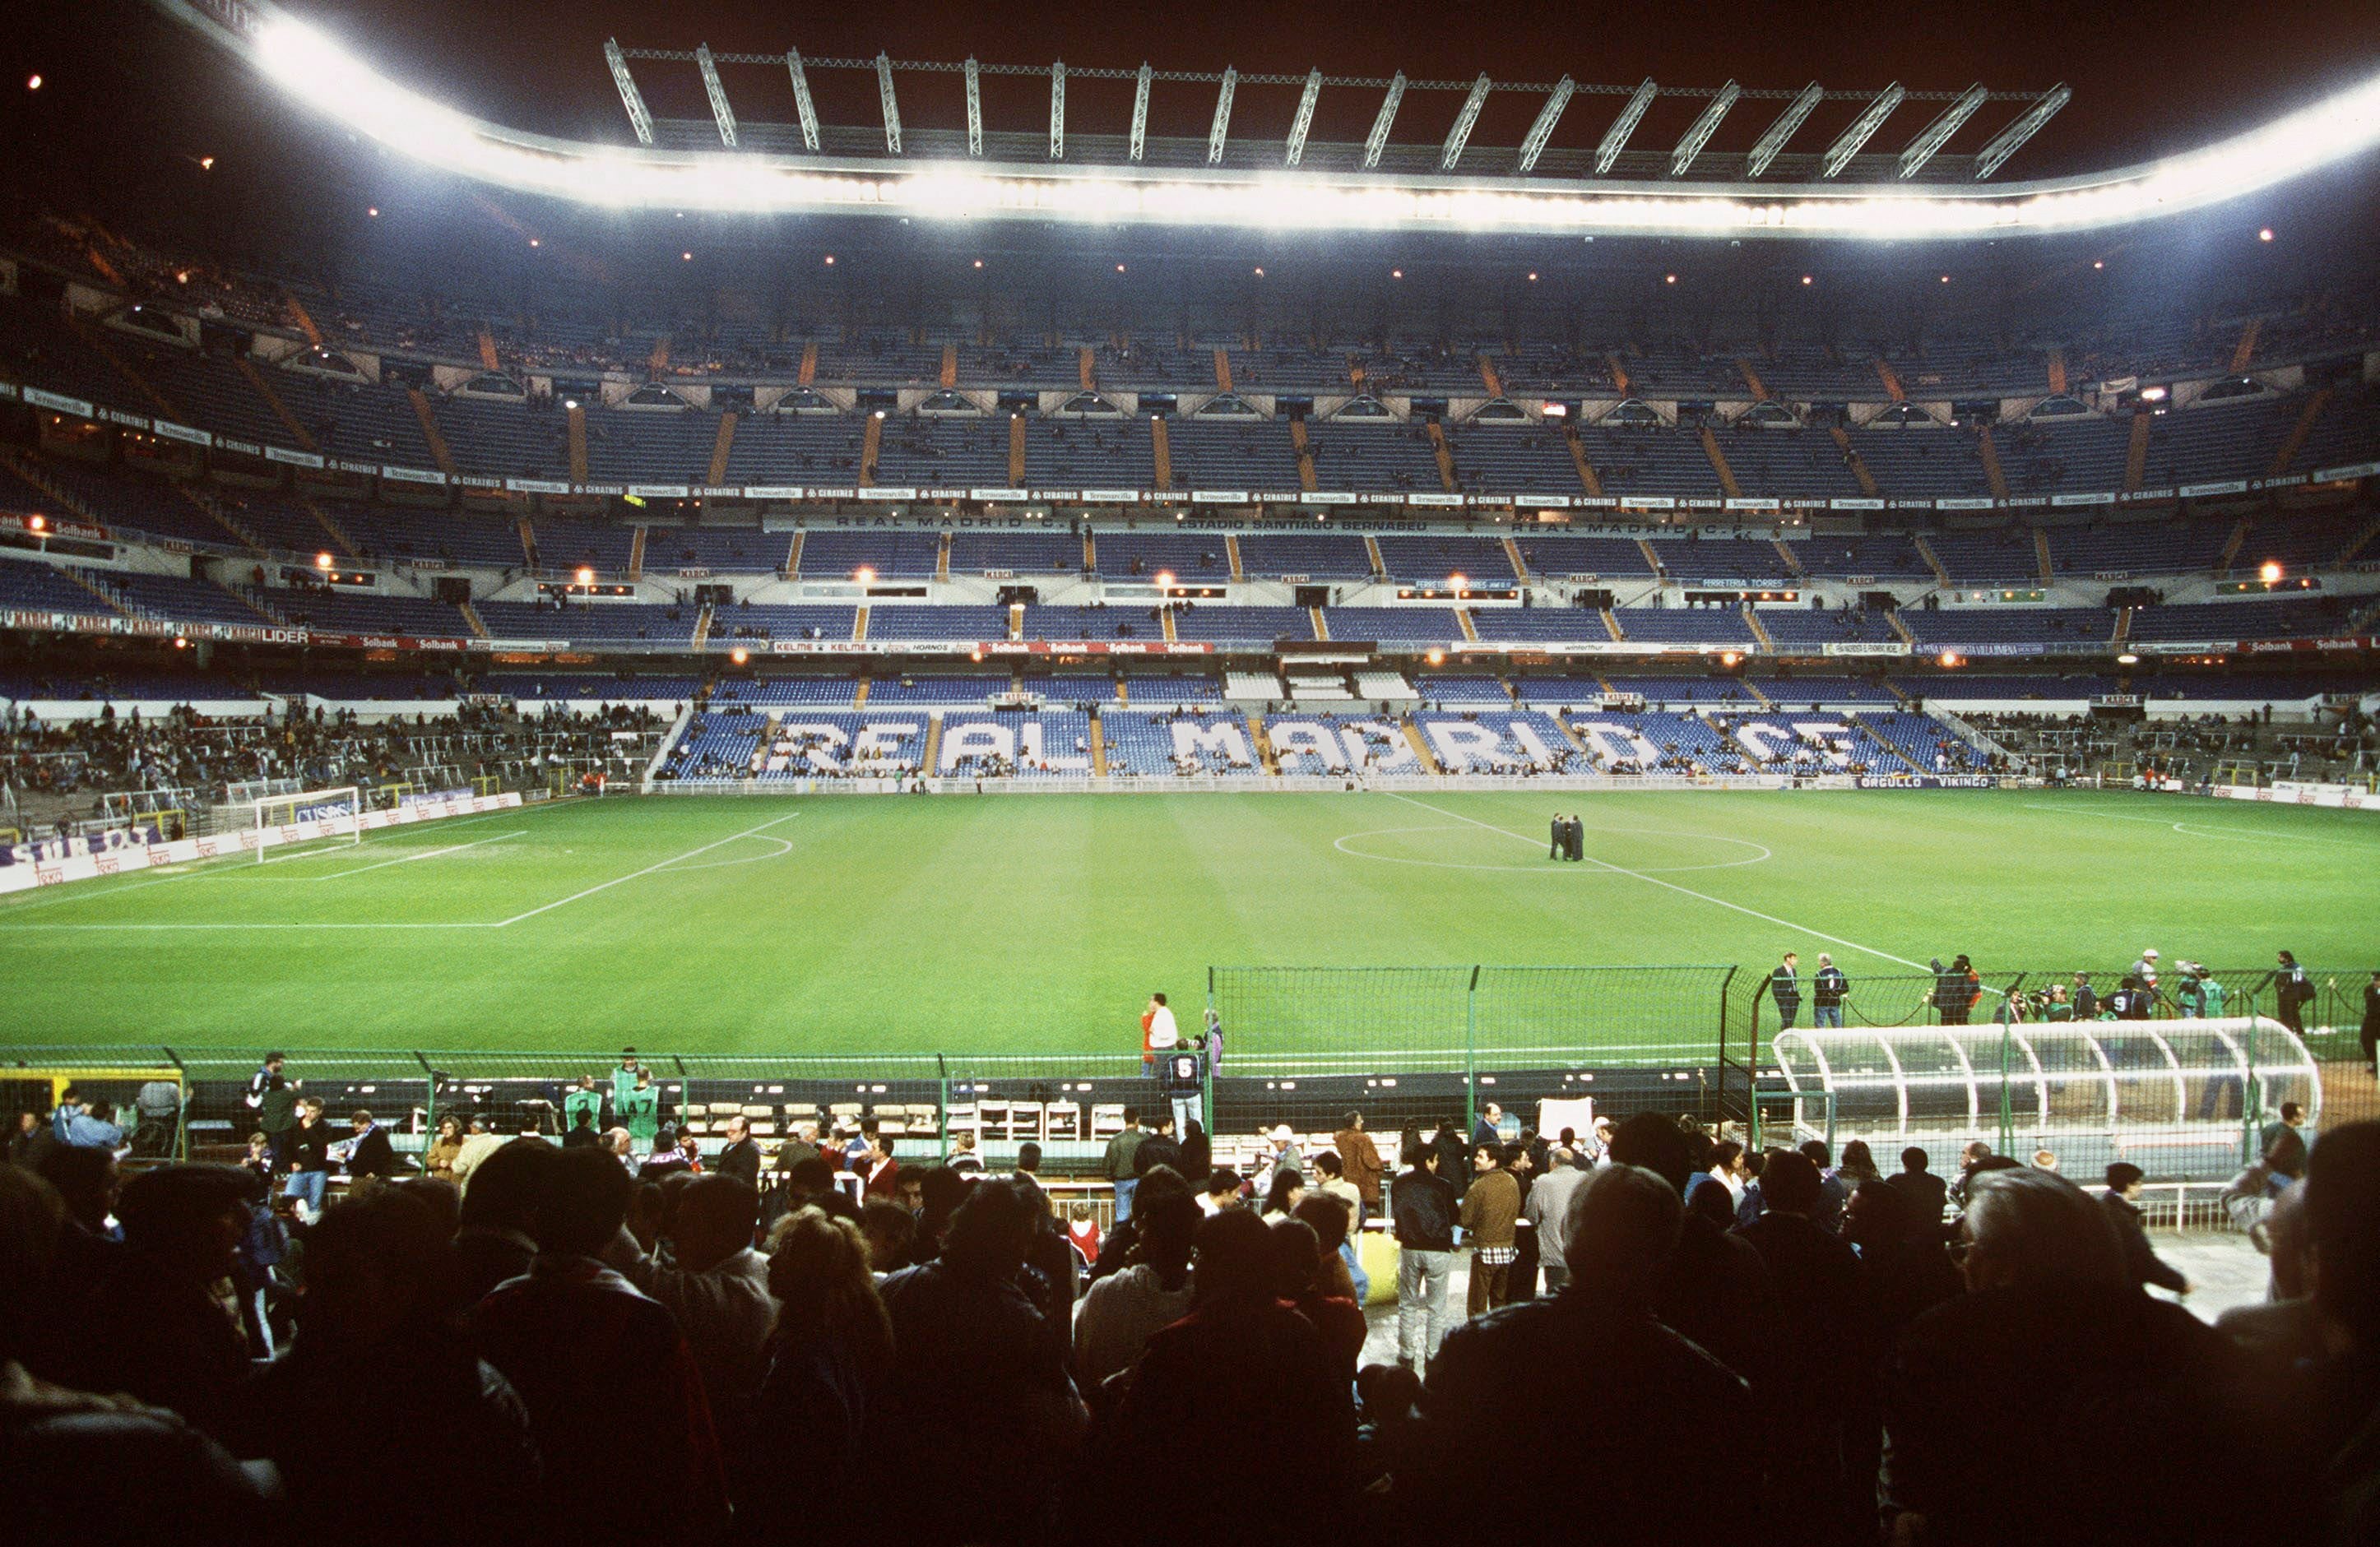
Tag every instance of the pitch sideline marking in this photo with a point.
(2196, 829)
(663, 865)
(1687, 891)
(408, 859)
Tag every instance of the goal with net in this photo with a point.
(307, 822)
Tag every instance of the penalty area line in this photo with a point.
(408, 859)
(621, 880)
(1682, 892)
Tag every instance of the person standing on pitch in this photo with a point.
(1577, 836)
(1827, 992)
(1785, 988)
(1559, 847)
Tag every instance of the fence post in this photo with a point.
(2007, 1039)
(942, 1104)
(1725, 984)
(429, 1100)
(181, 1108)
(1470, 1056)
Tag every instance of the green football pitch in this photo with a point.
(1040, 925)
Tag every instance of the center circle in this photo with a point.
(1383, 843)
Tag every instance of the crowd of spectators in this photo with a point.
(617, 1329)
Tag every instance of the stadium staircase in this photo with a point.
(931, 761)
(2231, 549)
(793, 558)
(1445, 455)
(1419, 743)
(213, 509)
(2362, 540)
(1993, 479)
(2136, 451)
(1512, 557)
(1619, 371)
(436, 438)
(702, 621)
(1470, 629)
(1015, 451)
(574, 420)
(1260, 744)
(2243, 354)
(1857, 463)
(471, 616)
(860, 693)
(1569, 735)
(859, 624)
(1372, 556)
(115, 608)
(806, 373)
(2123, 626)
(253, 600)
(1165, 620)
(1752, 379)
(1232, 551)
(1086, 371)
(1099, 747)
(1160, 449)
(721, 444)
(529, 543)
(871, 446)
(488, 359)
(1321, 625)
(2054, 369)
(637, 552)
(1487, 377)
(289, 421)
(32, 473)
(2041, 557)
(322, 518)
(1652, 559)
(1585, 469)
(950, 372)
(1304, 449)
(1891, 380)
(1893, 617)
(1759, 632)
(657, 361)
(942, 559)
(1611, 623)
(1727, 483)
(1090, 553)
(2299, 431)
(1016, 619)
(1222, 370)
(2364, 620)
(1933, 562)
(1793, 559)
(661, 752)
(1973, 737)
(124, 367)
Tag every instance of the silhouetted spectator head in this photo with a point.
(85, 1176)
(1815, 1151)
(1623, 1229)
(1223, 1187)
(1857, 1156)
(185, 1220)
(505, 1189)
(1914, 1159)
(1788, 1183)
(1329, 1217)
(890, 1232)
(1712, 1201)
(1296, 1258)
(2342, 1204)
(1326, 1165)
(441, 1197)
(2030, 1228)
(1167, 1230)
(818, 1275)
(993, 1232)
(581, 1204)
(712, 1220)
(366, 1268)
(2122, 1177)
(32, 1218)
(1876, 1216)
(810, 1179)
(1234, 1258)
(1657, 1144)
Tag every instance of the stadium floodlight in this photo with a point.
(1542, 132)
(975, 107)
(1705, 125)
(1377, 141)
(1464, 121)
(1304, 119)
(717, 93)
(802, 104)
(1058, 111)
(1140, 112)
(1615, 138)
(1938, 134)
(892, 107)
(1221, 127)
(311, 67)
(640, 118)
(2028, 124)
(1772, 139)
(1852, 139)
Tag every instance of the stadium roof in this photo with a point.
(1120, 175)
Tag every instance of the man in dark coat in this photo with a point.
(1926, 1193)
(2141, 1261)
(741, 1158)
(370, 1155)
(1557, 845)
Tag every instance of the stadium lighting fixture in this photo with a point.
(535, 242)
(2270, 572)
(2128, 658)
(1532, 276)
(1705, 125)
(1465, 122)
(312, 66)
(803, 106)
(1222, 128)
(978, 263)
(1669, 279)
(1808, 279)
(1165, 580)
(1862, 128)
(1773, 139)
(1141, 111)
(863, 574)
(1434, 656)
(1728, 658)
(640, 118)
(586, 575)
(739, 655)
(1951, 658)
(2028, 124)
(322, 560)
(1541, 133)
(38, 523)
(33, 83)
(975, 106)
(2265, 234)
(1933, 136)
(206, 164)
(2155, 394)
(686, 258)
(1057, 111)
(374, 211)
(891, 106)
(1455, 583)
(2098, 263)
(829, 262)
(569, 403)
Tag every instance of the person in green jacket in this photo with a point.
(584, 1101)
(623, 1079)
(640, 1111)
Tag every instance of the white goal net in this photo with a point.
(308, 821)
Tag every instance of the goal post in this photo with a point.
(290, 827)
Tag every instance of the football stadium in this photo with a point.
(999, 749)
